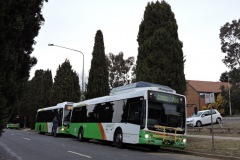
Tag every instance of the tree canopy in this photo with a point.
(230, 41)
(119, 69)
(35, 96)
(160, 56)
(98, 84)
(66, 85)
(230, 45)
(20, 22)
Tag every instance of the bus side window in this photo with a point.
(134, 107)
(133, 111)
(118, 111)
(90, 114)
(108, 112)
(79, 114)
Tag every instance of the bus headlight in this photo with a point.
(184, 140)
(62, 129)
(147, 136)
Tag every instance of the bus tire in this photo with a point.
(118, 138)
(80, 135)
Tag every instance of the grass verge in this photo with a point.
(222, 147)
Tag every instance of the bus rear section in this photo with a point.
(54, 120)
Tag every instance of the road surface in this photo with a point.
(28, 145)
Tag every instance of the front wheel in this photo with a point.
(118, 138)
(218, 121)
(80, 135)
(199, 124)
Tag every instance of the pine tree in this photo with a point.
(98, 84)
(66, 85)
(160, 56)
(20, 22)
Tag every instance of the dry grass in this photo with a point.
(222, 147)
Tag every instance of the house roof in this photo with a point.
(207, 86)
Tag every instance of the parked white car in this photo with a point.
(204, 117)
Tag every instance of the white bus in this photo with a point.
(45, 119)
(139, 113)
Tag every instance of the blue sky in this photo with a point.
(74, 23)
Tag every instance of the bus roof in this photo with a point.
(141, 84)
(59, 105)
(129, 93)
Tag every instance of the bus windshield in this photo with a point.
(166, 115)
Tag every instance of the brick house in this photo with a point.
(195, 93)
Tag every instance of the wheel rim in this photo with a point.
(198, 124)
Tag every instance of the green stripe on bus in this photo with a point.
(91, 130)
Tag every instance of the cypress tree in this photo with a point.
(66, 85)
(98, 84)
(36, 96)
(160, 56)
(20, 22)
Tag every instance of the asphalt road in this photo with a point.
(28, 145)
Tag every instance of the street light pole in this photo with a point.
(83, 61)
(229, 97)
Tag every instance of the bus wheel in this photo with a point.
(118, 138)
(80, 135)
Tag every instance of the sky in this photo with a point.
(74, 23)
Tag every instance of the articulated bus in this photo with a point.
(45, 119)
(140, 113)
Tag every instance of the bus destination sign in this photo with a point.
(159, 96)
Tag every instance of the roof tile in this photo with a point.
(207, 86)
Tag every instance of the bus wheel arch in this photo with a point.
(118, 138)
